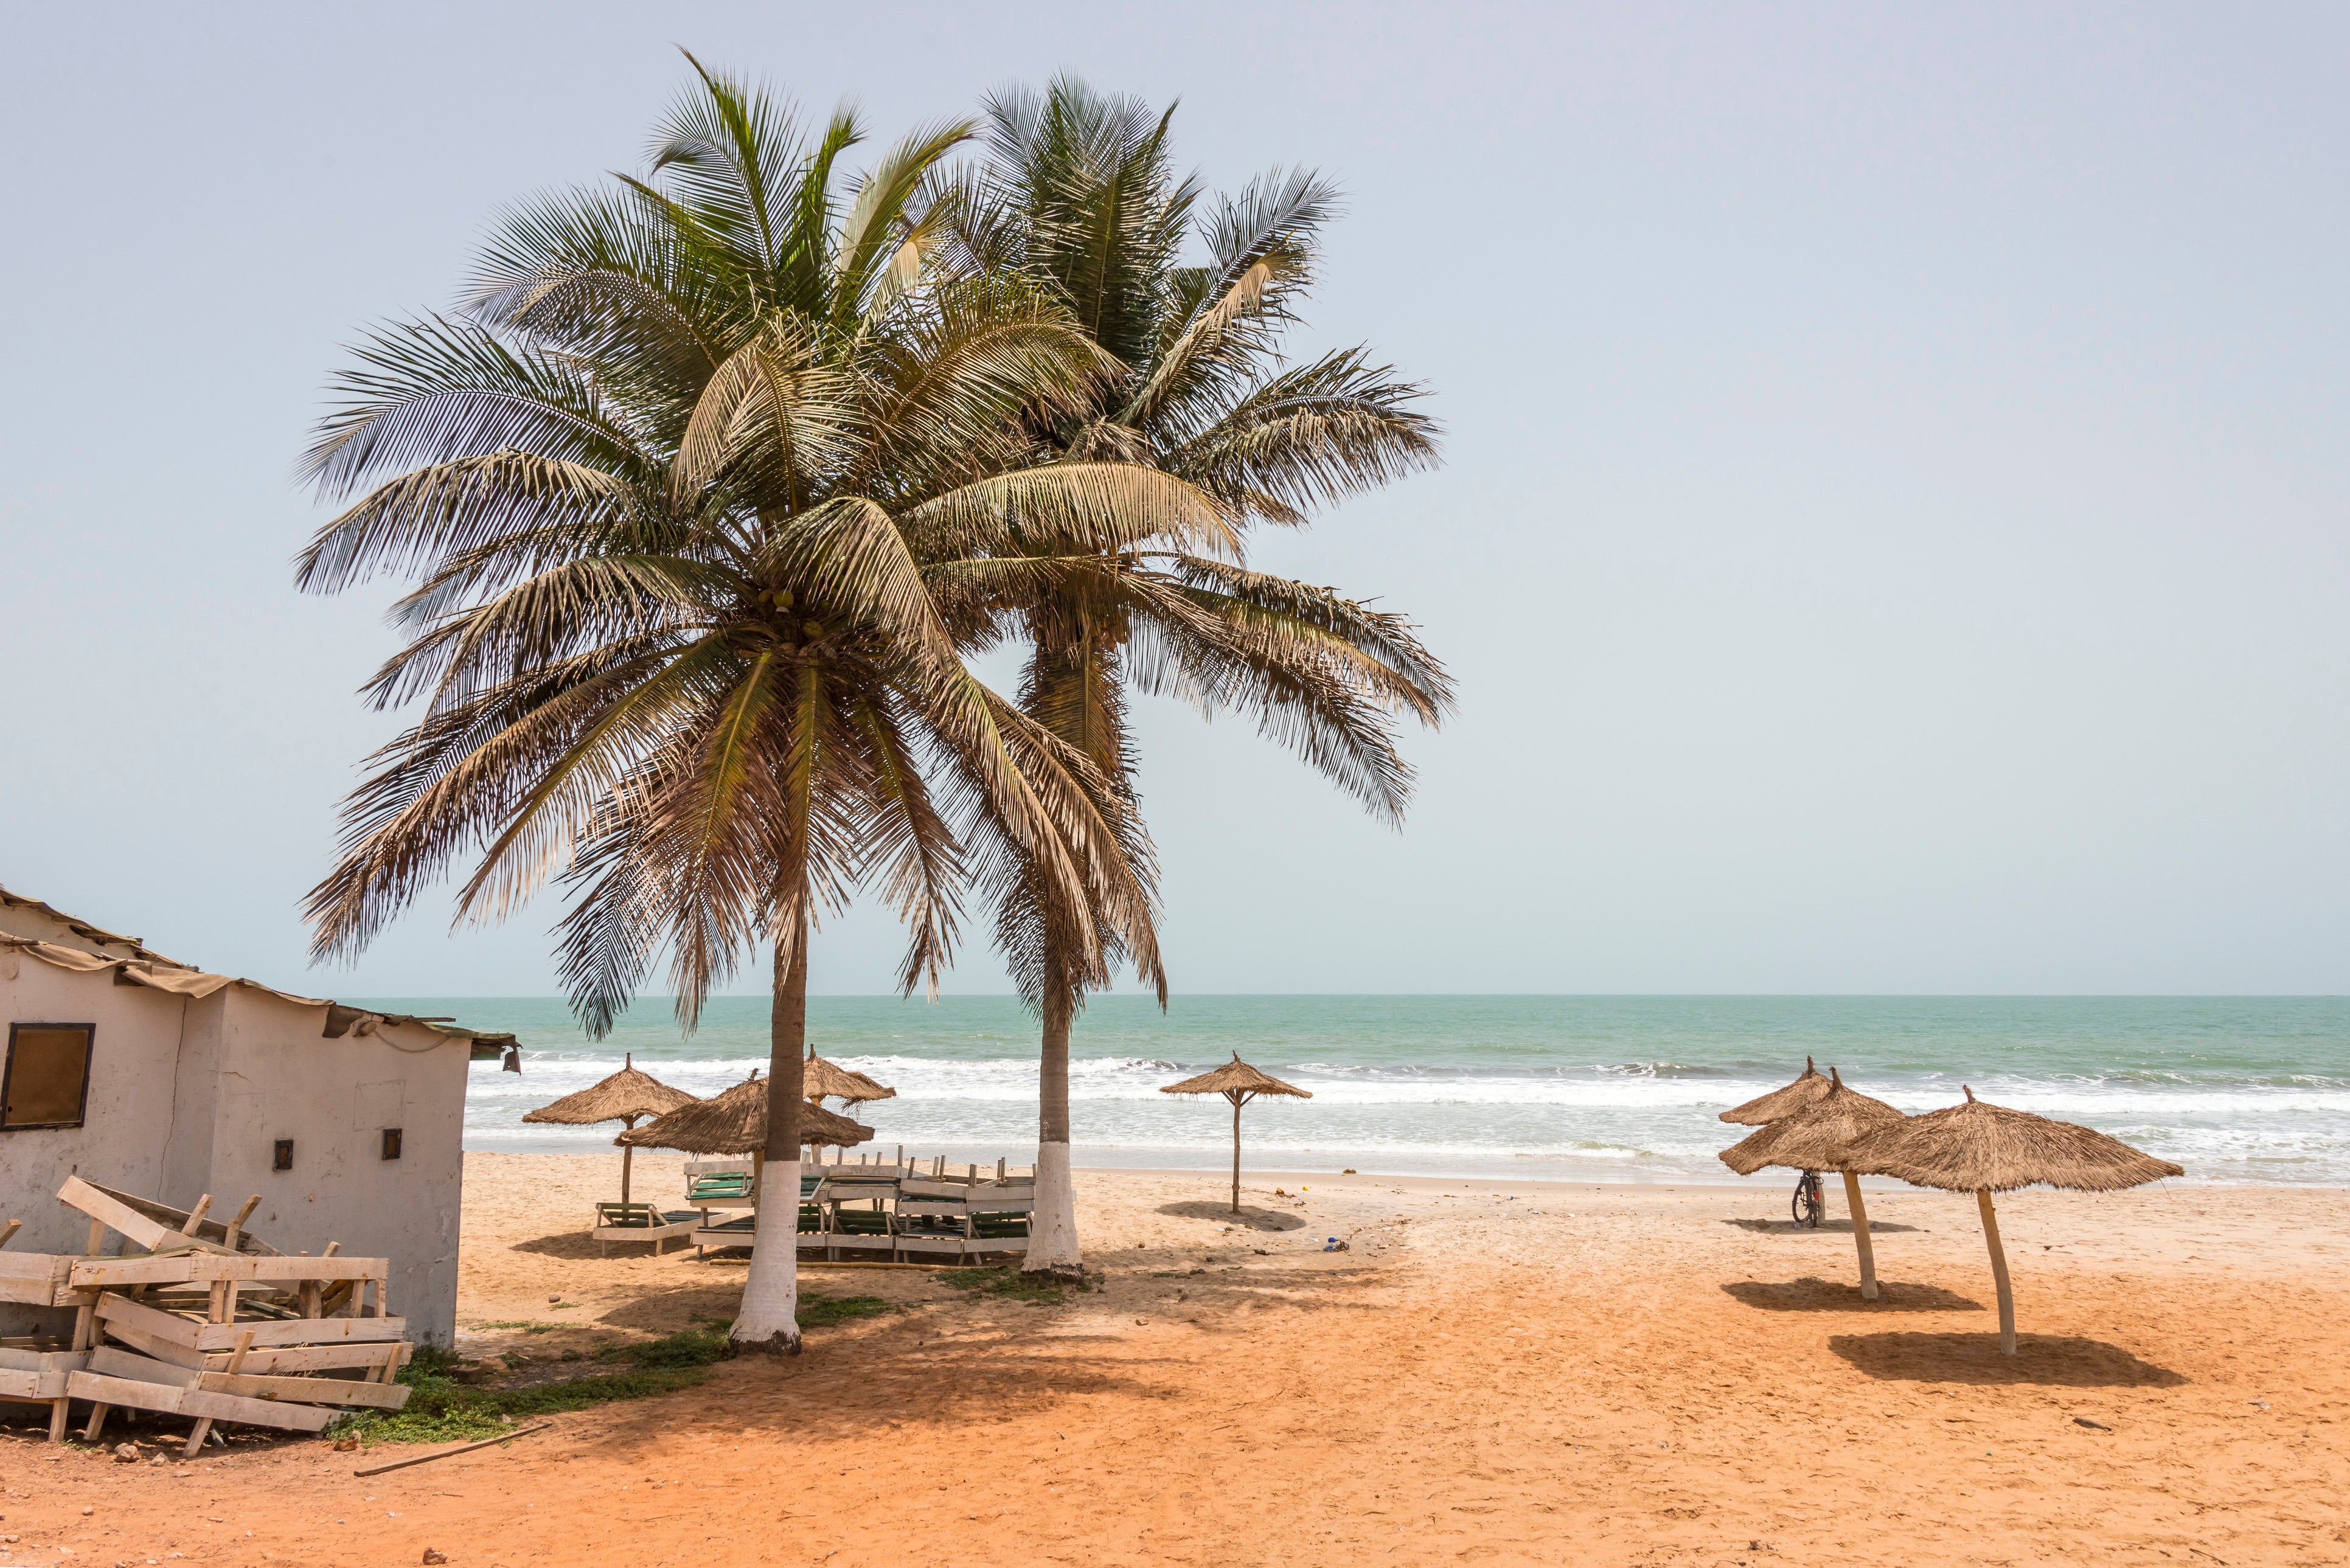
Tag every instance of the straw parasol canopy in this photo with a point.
(1982, 1148)
(830, 1081)
(736, 1123)
(625, 1096)
(1239, 1083)
(1985, 1148)
(1814, 1138)
(1786, 1101)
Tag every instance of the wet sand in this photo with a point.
(1494, 1373)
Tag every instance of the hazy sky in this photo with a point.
(1892, 537)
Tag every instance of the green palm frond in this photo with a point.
(672, 642)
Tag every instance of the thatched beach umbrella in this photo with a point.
(1239, 1083)
(624, 1098)
(824, 1080)
(1985, 1149)
(1815, 1138)
(736, 1123)
(1784, 1101)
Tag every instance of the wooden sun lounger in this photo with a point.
(642, 1222)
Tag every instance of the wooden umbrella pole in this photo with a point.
(628, 1154)
(1236, 1098)
(1998, 1271)
(1860, 1236)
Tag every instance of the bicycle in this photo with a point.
(1808, 1207)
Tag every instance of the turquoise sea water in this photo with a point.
(1575, 1087)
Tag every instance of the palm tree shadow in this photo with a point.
(2063, 1361)
(1809, 1294)
(1831, 1227)
(1254, 1218)
(571, 1244)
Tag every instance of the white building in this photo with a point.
(153, 1077)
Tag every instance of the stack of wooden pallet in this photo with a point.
(206, 1321)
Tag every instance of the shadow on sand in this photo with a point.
(1831, 1227)
(1809, 1294)
(579, 1244)
(2056, 1360)
(1254, 1219)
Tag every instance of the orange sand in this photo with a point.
(1608, 1375)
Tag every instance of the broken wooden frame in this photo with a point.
(210, 1323)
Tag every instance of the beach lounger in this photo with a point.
(742, 1231)
(722, 1189)
(998, 1220)
(642, 1222)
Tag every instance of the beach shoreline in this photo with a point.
(1491, 1371)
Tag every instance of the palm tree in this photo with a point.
(669, 483)
(1079, 192)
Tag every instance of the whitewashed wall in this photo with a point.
(190, 1096)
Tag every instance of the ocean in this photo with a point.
(2236, 1089)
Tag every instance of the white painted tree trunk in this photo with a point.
(771, 1297)
(1053, 1223)
(768, 1323)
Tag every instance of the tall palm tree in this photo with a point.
(1079, 192)
(669, 485)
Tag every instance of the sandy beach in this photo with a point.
(1494, 1373)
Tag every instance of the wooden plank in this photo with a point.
(115, 1215)
(31, 1386)
(29, 1265)
(929, 1187)
(109, 1362)
(318, 1357)
(138, 1395)
(160, 1349)
(209, 1405)
(642, 1232)
(21, 1360)
(194, 1268)
(155, 1227)
(32, 1279)
(300, 1331)
(147, 1320)
(197, 1401)
(266, 1336)
(307, 1391)
(235, 1363)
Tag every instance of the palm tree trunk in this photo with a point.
(1053, 1223)
(768, 1322)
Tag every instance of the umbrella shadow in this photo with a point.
(1831, 1227)
(2065, 1361)
(1809, 1294)
(575, 1244)
(1254, 1218)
